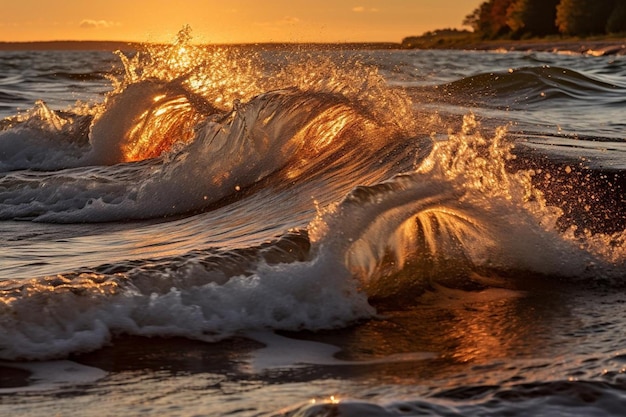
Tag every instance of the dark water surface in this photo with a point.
(312, 232)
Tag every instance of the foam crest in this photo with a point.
(221, 76)
(43, 139)
(60, 315)
(143, 122)
(463, 209)
(151, 148)
(51, 375)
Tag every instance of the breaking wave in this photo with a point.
(315, 193)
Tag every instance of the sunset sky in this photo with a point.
(228, 21)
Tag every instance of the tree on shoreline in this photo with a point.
(489, 19)
(583, 17)
(533, 17)
(495, 19)
(617, 20)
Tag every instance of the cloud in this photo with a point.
(97, 24)
(285, 21)
(361, 9)
(290, 20)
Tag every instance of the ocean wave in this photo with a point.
(531, 85)
(571, 397)
(192, 135)
(459, 215)
(193, 160)
(358, 198)
(60, 76)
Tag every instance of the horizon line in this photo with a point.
(107, 44)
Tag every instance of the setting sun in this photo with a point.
(241, 21)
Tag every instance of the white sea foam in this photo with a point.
(51, 375)
(83, 315)
(287, 353)
(159, 147)
(461, 207)
(256, 140)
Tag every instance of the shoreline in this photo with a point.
(595, 47)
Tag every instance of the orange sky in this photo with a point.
(228, 21)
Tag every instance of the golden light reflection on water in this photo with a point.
(167, 122)
(201, 81)
(195, 82)
(466, 330)
(323, 133)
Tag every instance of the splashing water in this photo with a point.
(414, 209)
(463, 210)
(166, 91)
(321, 148)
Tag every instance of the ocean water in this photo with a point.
(312, 231)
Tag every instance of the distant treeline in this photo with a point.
(517, 19)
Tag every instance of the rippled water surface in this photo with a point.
(299, 231)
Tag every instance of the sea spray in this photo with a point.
(463, 210)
